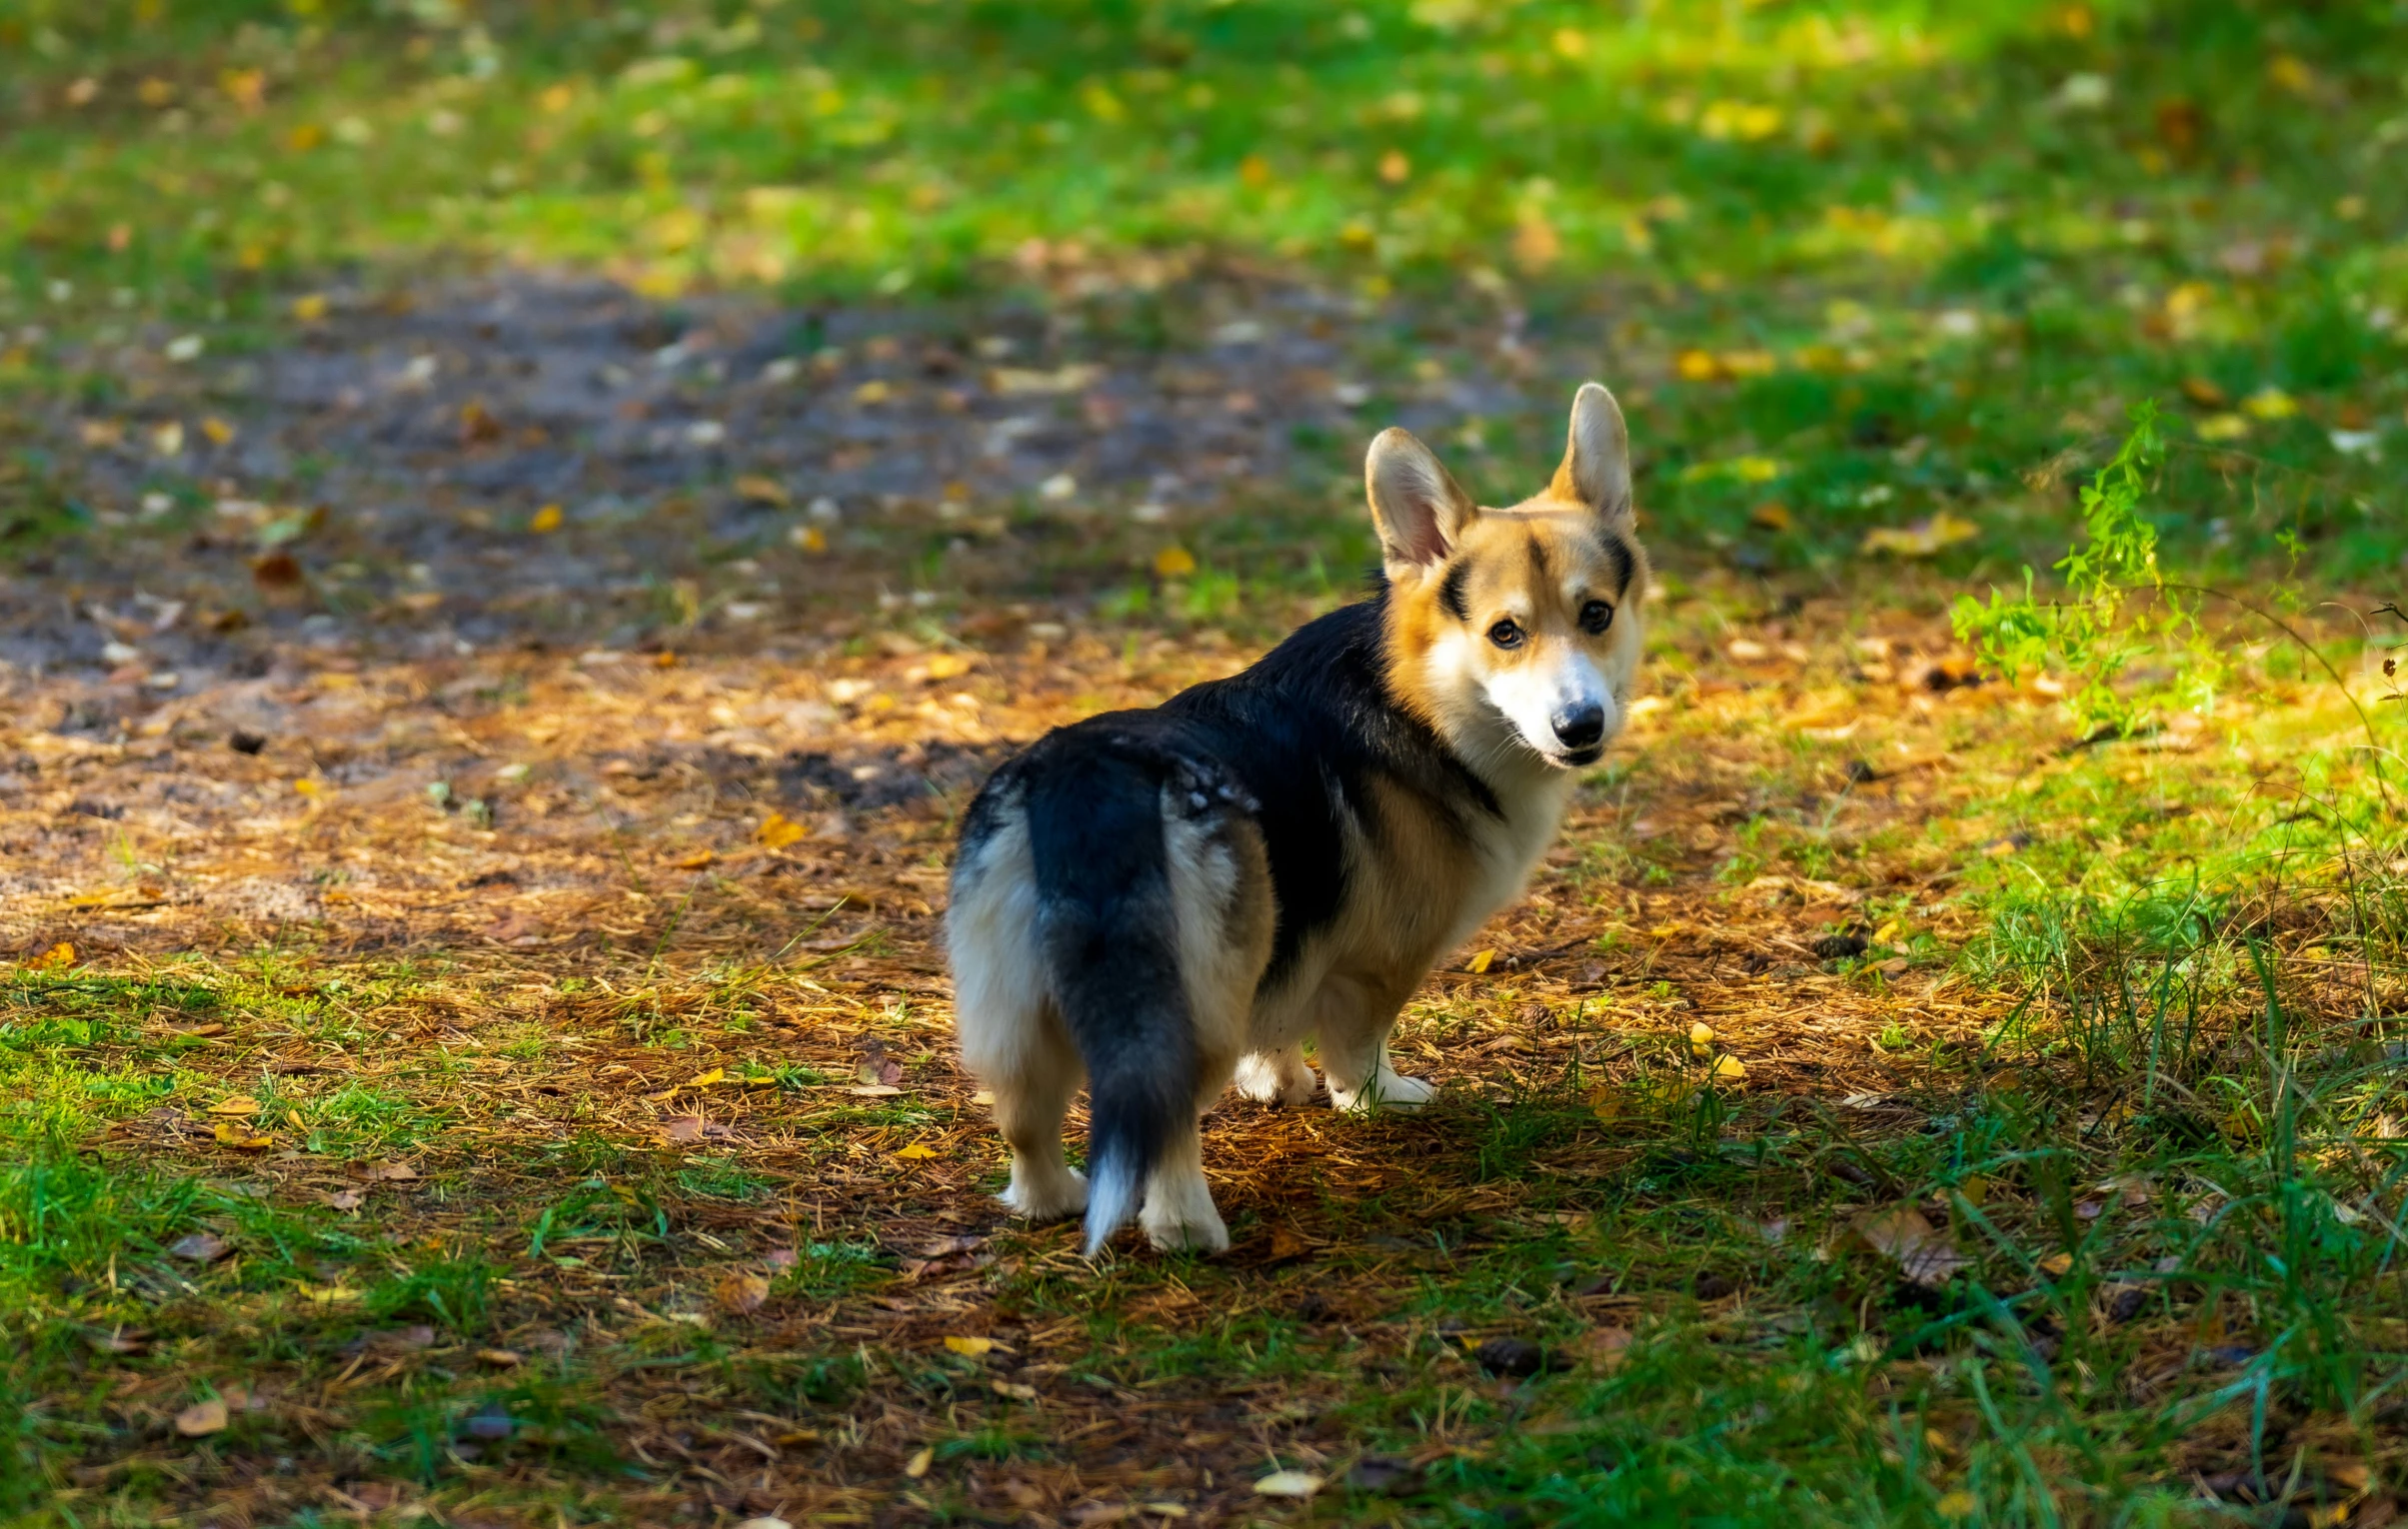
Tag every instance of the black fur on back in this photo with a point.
(1303, 733)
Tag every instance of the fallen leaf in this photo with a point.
(343, 1199)
(2223, 427)
(199, 1247)
(310, 307)
(1958, 1504)
(697, 860)
(2056, 1264)
(1727, 1069)
(1174, 561)
(1702, 1041)
(2206, 394)
(917, 1466)
(1923, 539)
(779, 830)
(1298, 1484)
(2270, 404)
(1012, 1390)
(1480, 962)
(1287, 1243)
(683, 1128)
(328, 1295)
(274, 570)
(230, 1134)
(500, 1358)
(975, 1348)
(202, 1418)
(544, 520)
(1922, 1253)
(763, 491)
(874, 1092)
(743, 1293)
(917, 1151)
(235, 1104)
(57, 958)
(706, 1080)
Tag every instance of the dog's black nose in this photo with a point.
(1579, 727)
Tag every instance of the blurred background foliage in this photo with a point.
(1887, 268)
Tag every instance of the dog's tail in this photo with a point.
(1109, 926)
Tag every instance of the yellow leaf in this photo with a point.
(556, 98)
(308, 788)
(1702, 1041)
(917, 1466)
(1175, 562)
(202, 1418)
(705, 1080)
(743, 1293)
(218, 430)
(697, 860)
(809, 539)
(310, 307)
(235, 1104)
(1480, 962)
(1290, 1484)
(2223, 427)
(917, 1151)
(763, 491)
(57, 958)
(973, 1347)
(2056, 1263)
(1772, 515)
(1956, 1504)
(1254, 170)
(547, 520)
(240, 1136)
(2271, 404)
(778, 831)
(1728, 1070)
(873, 392)
(326, 1295)
(1923, 539)
(948, 666)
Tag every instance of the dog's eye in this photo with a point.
(1505, 634)
(1595, 616)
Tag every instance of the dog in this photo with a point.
(1162, 902)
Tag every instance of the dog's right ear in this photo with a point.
(1416, 503)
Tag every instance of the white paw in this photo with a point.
(1052, 1199)
(1195, 1231)
(1276, 1077)
(1386, 1091)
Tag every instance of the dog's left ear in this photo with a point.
(1597, 465)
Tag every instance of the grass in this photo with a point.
(1854, 267)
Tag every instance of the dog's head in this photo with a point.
(1514, 632)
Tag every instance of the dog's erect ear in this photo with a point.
(1597, 465)
(1418, 506)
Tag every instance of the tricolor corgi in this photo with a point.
(1158, 902)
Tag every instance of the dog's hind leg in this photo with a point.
(1013, 1038)
(1277, 1078)
(1222, 912)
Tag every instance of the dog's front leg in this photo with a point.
(1355, 1017)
